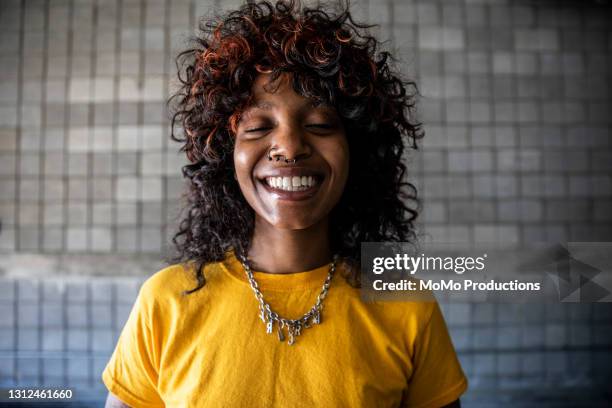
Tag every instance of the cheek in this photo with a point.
(245, 159)
(338, 159)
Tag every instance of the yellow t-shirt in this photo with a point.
(210, 348)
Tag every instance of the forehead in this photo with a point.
(264, 89)
(280, 93)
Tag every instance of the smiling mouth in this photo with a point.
(292, 188)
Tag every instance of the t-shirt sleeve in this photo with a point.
(132, 371)
(437, 378)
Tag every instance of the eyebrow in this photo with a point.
(266, 105)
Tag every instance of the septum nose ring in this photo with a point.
(278, 157)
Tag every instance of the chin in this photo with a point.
(295, 224)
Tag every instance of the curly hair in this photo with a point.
(332, 59)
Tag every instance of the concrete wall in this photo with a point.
(516, 105)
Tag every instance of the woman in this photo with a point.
(294, 125)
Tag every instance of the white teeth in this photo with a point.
(295, 183)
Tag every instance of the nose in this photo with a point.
(289, 141)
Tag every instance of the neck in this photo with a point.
(275, 250)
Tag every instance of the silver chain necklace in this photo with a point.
(293, 326)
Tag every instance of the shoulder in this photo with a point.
(169, 284)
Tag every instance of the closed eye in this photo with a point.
(259, 129)
(321, 125)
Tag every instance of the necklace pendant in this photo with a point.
(269, 326)
(281, 336)
(317, 317)
(291, 336)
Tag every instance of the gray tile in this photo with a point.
(430, 62)
(54, 143)
(53, 214)
(150, 239)
(105, 63)
(76, 239)
(102, 189)
(454, 86)
(459, 161)
(154, 112)
(127, 213)
(7, 164)
(7, 315)
(77, 367)
(76, 315)
(53, 239)
(8, 140)
(29, 214)
(102, 340)
(78, 189)
(28, 290)
(455, 62)
(127, 163)
(126, 239)
(52, 315)
(7, 214)
(104, 114)
(480, 87)
(78, 164)
(101, 291)
(101, 315)
(434, 212)
(427, 13)
(128, 113)
(78, 114)
(459, 186)
(101, 239)
(27, 339)
(483, 186)
(554, 186)
(504, 85)
(478, 38)
(478, 62)
(102, 214)
(475, 14)
(152, 164)
(508, 337)
(456, 112)
(531, 186)
(128, 138)
(152, 213)
(102, 164)
(7, 340)
(52, 339)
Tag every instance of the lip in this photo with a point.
(292, 195)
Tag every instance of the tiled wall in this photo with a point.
(62, 331)
(516, 106)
